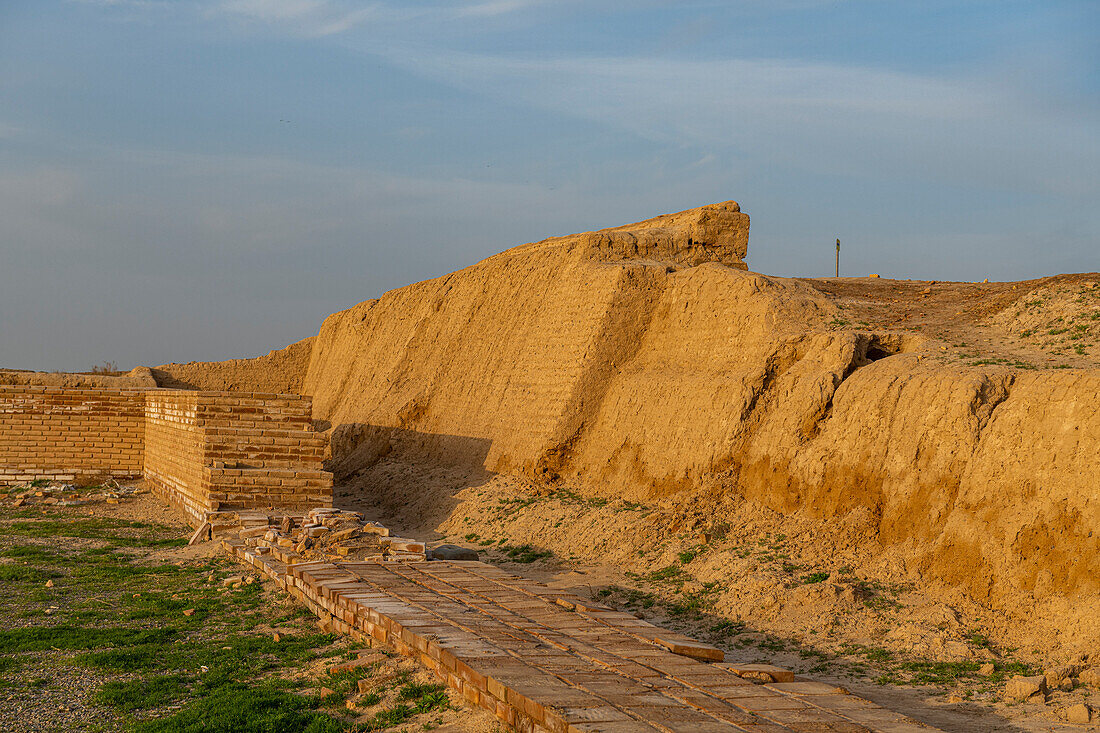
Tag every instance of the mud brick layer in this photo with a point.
(70, 434)
(216, 451)
(201, 451)
(543, 659)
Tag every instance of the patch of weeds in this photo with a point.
(416, 690)
(727, 627)
(870, 653)
(939, 673)
(696, 602)
(687, 556)
(630, 596)
(980, 640)
(416, 699)
(813, 654)
(520, 503)
(525, 553)
(772, 644)
(117, 571)
(670, 573)
(817, 577)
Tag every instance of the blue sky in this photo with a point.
(204, 180)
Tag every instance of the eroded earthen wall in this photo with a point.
(70, 434)
(642, 377)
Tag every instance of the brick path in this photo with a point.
(543, 659)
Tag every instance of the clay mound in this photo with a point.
(645, 360)
(279, 372)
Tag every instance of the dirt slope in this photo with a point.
(646, 361)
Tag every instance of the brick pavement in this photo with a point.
(543, 659)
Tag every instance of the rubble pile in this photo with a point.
(320, 535)
(66, 495)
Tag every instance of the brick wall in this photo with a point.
(68, 434)
(174, 455)
(217, 451)
(201, 451)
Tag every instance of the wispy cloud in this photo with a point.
(495, 7)
(822, 117)
(315, 18)
(319, 18)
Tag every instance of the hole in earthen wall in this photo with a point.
(881, 345)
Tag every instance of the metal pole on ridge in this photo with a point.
(838, 258)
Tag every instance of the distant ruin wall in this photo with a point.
(201, 451)
(70, 434)
(279, 372)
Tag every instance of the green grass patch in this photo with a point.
(131, 695)
(98, 529)
(237, 708)
(79, 638)
(31, 553)
(26, 574)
